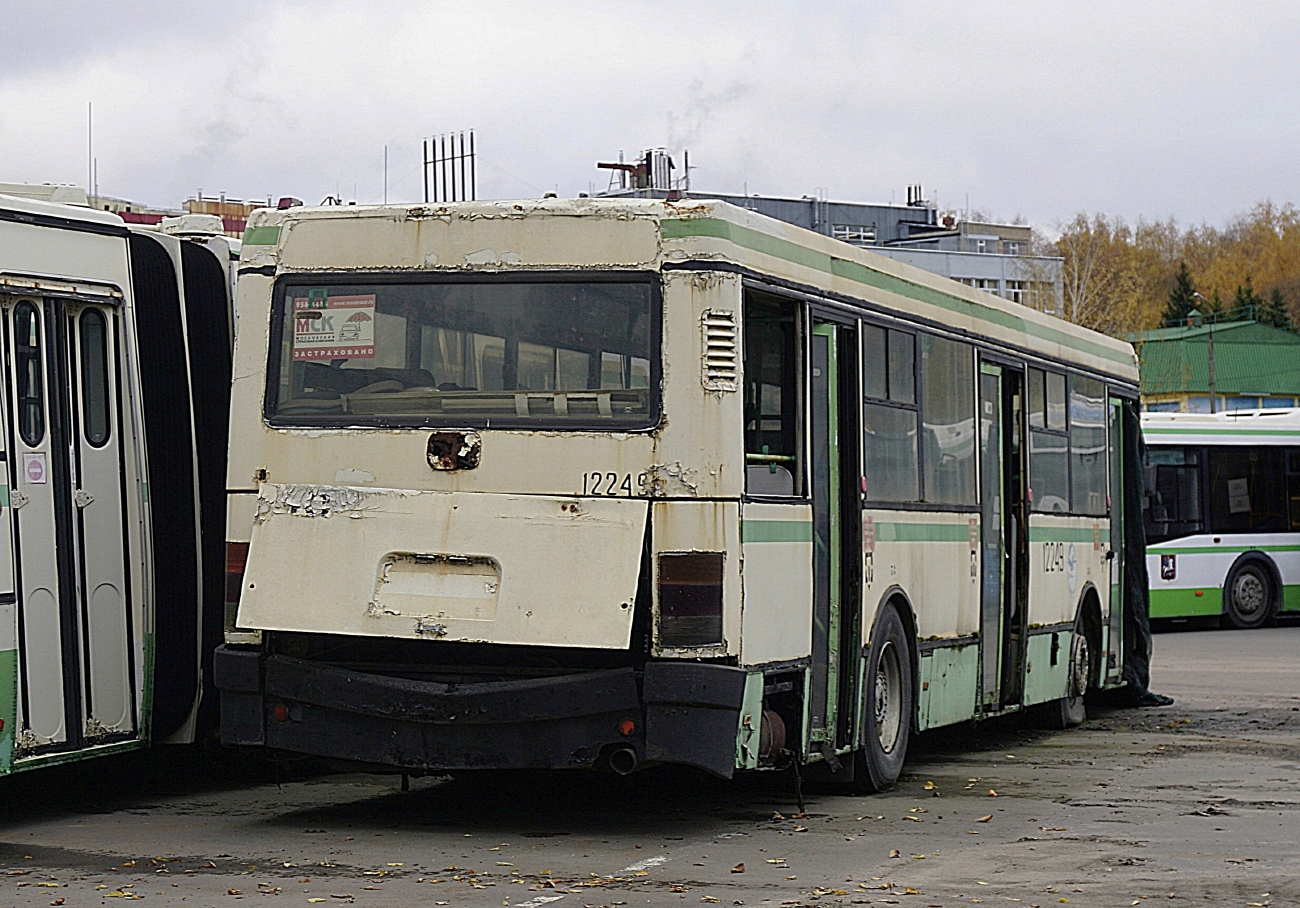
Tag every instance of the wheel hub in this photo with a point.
(888, 698)
(1248, 594)
(1079, 665)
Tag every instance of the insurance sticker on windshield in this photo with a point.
(333, 327)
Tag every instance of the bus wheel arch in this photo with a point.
(1082, 667)
(1252, 591)
(1088, 619)
(890, 693)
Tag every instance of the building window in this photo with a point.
(1010, 247)
(1015, 291)
(989, 284)
(1241, 403)
(981, 245)
(856, 234)
(1273, 403)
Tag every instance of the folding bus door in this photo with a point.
(1114, 658)
(75, 666)
(1003, 537)
(837, 510)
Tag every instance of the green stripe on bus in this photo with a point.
(262, 236)
(8, 706)
(776, 531)
(922, 532)
(766, 244)
(1188, 430)
(1067, 534)
(1219, 549)
(1185, 603)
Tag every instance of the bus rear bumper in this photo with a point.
(675, 712)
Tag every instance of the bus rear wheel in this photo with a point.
(1068, 711)
(889, 706)
(1248, 596)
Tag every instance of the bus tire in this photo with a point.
(1248, 595)
(890, 699)
(1068, 711)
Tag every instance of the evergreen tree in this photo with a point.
(1247, 303)
(1182, 298)
(1272, 311)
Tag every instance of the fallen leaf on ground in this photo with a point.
(928, 786)
(739, 868)
(233, 892)
(984, 819)
(992, 793)
(895, 853)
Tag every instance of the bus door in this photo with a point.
(1114, 660)
(1003, 537)
(837, 510)
(75, 661)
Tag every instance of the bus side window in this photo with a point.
(1293, 488)
(771, 395)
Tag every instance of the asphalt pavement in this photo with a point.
(1193, 804)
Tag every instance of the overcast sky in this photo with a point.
(1036, 109)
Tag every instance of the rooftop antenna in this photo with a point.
(90, 148)
(444, 156)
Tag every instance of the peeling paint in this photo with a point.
(492, 257)
(353, 476)
(424, 627)
(664, 480)
(312, 501)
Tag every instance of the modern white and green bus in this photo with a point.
(114, 381)
(605, 484)
(1222, 512)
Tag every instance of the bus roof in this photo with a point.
(1238, 427)
(74, 213)
(645, 233)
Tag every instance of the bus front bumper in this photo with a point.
(673, 712)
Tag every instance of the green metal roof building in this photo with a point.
(1255, 365)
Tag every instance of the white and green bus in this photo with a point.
(1222, 512)
(114, 380)
(604, 484)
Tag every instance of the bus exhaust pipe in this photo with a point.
(623, 760)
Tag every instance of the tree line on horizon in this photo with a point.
(1120, 279)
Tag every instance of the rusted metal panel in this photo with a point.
(703, 526)
(448, 566)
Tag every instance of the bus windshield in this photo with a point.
(522, 351)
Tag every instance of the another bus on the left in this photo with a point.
(114, 388)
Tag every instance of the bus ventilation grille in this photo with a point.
(719, 350)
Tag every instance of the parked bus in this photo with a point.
(113, 384)
(1222, 512)
(602, 484)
